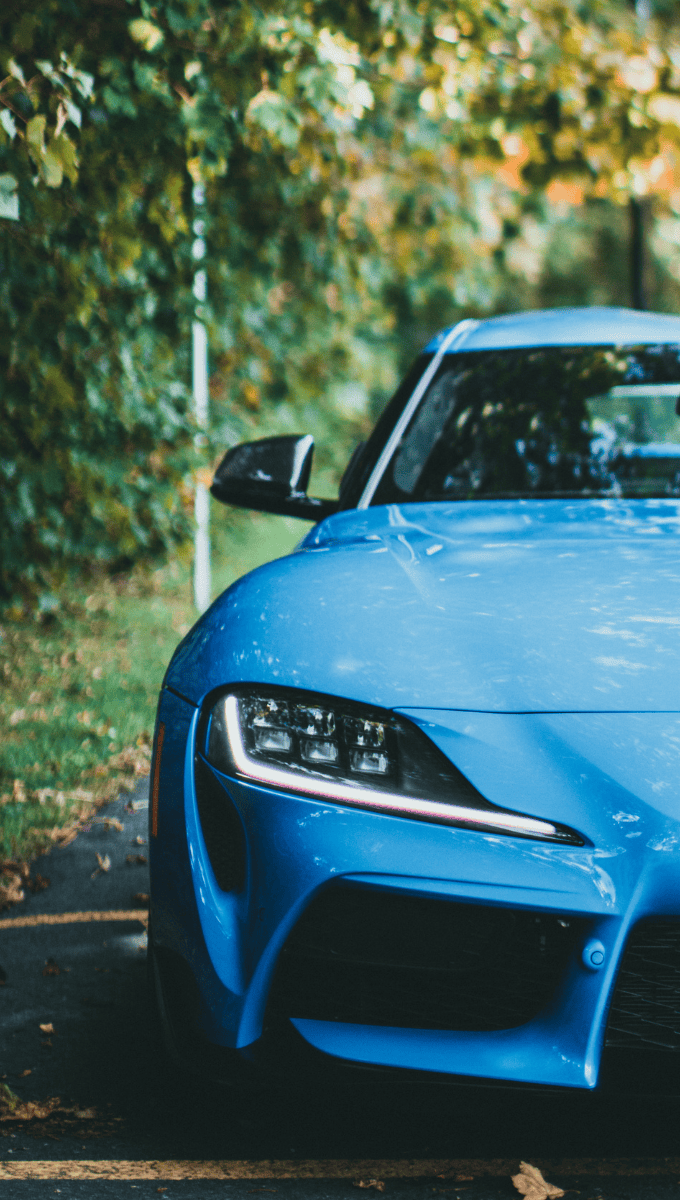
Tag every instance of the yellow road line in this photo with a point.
(331, 1168)
(74, 918)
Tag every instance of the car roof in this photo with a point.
(596, 326)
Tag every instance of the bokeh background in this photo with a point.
(359, 174)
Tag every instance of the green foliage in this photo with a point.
(80, 684)
(370, 171)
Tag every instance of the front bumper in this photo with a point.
(295, 849)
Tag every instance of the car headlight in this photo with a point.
(352, 754)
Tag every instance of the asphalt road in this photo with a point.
(126, 1121)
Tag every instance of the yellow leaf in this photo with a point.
(149, 36)
(35, 134)
(52, 169)
(65, 153)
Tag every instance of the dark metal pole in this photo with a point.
(637, 247)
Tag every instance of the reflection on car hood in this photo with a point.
(498, 606)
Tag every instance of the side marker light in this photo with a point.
(156, 779)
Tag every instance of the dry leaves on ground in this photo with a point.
(111, 823)
(13, 1108)
(136, 860)
(378, 1184)
(15, 877)
(129, 765)
(104, 865)
(531, 1184)
(11, 889)
(135, 759)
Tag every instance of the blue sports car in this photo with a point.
(415, 799)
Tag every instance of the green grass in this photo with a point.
(79, 692)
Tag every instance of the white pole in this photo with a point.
(199, 346)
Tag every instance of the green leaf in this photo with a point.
(8, 123)
(16, 71)
(275, 116)
(48, 70)
(63, 159)
(35, 135)
(9, 200)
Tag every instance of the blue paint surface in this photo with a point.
(537, 644)
(502, 606)
(596, 326)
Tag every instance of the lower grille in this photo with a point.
(380, 958)
(645, 1009)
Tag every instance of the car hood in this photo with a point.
(496, 606)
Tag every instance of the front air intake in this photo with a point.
(371, 957)
(645, 1009)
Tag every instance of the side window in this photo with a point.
(432, 417)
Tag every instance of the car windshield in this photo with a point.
(543, 421)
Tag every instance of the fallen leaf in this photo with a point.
(51, 968)
(378, 1184)
(531, 1184)
(463, 1178)
(142, 899)
(65, 836)
(12, 1108)
(38, 883)
(104, 865)
(113, 823)
(48, 1027)
(11, 890)
(23, 1074)
(138, 841)
(47, 1043)
(139, 860)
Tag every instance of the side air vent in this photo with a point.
(222, 829)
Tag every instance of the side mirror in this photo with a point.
(271, 476)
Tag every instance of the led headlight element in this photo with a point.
(345, 753)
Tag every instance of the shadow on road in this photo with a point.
(88, 981)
